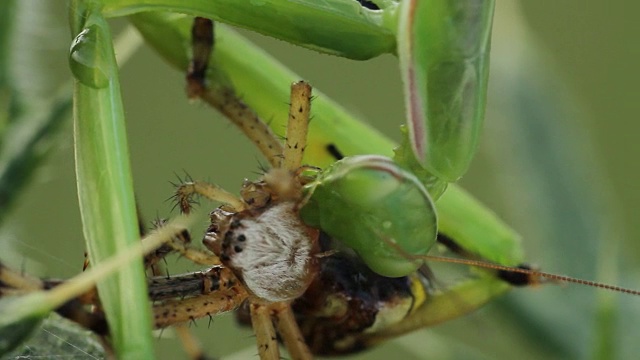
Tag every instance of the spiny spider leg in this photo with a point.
(191, 345)
(12, 281)
(297, 126)
(260, 237)
(202, 42)
(185, 191)
(290, 332)
(265, 332)
(224, 99)
(203, 283)
(178, 243)
(186, 297)
(177, 311)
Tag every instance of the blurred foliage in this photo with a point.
(60, 337)
(556, 154)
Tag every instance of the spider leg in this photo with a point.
(178, 311)
(298, 125)
(268, 348)
(202, 43)
(177, 242)
(190, 342)
(12, 281)
(186, 190)
(224, 99)
(290, 332)
(196, 256)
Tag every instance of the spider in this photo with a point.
(267, 260)
(259, 236)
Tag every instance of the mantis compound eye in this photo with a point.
(396, 218)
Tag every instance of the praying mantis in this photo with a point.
(285, 84)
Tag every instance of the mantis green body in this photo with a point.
(374, 188)
(443, 50)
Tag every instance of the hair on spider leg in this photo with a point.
(152, 259)
(180, 180)
(187, 176)
(175, 202)
(160, 332)
(183, 199)
(280, 137)
(262, 167)
(312, 98)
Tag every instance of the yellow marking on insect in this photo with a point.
(419, 293)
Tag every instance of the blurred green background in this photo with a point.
(557, 161)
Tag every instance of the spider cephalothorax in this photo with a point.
(266, 245)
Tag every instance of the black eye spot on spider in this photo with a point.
(241, 238)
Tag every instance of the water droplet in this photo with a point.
(88, 58)
(386, 225)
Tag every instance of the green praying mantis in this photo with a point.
(490, 237)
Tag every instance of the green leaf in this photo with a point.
(443, 48)
(105, 187)
(59, 337)
(354, 32)
(19, 317)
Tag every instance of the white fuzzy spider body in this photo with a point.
(269, 249)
